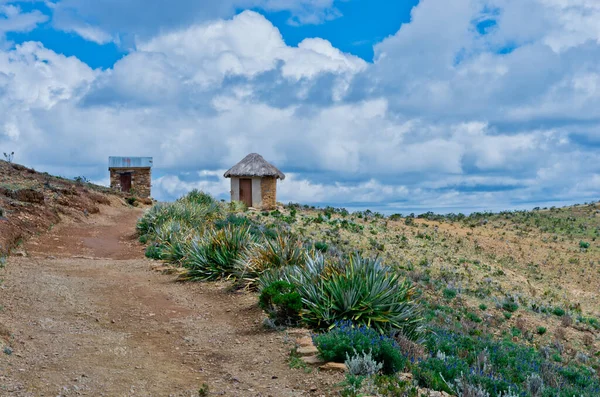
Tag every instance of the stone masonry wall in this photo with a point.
(268, 189)
(141, 180)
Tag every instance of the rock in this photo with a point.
(307, 350)
(19, 253)
(334, 367)
(304, 341)
(298, 332)
(312, 360)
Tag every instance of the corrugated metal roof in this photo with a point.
(127, 162)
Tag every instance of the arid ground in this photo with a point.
(84, 313)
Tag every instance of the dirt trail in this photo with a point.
(85, 315)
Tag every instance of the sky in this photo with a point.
(397, 106)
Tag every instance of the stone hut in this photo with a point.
(131, 174)
(254, 182)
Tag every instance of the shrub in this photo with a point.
(214, 255)
(361, 290)
(534, 385)
(362, 364)
(584, 245)
(321, 246)
(473, 317)
(541, 330)
(193, 211)
(395, 217)
(557, 311)
(283, 251)
(449, 293)
(281, 302)
(199, 197)
(434, 371)
(347, 339)
(153, 251)
(510, 305)
(176, 250)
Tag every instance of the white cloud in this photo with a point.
(133, 19)
(13, 19)
(246, 45)
(442, 119)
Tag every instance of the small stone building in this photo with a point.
(131, 174)
(254, 182)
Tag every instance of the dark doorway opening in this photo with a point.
(246, 191)
(126, 182)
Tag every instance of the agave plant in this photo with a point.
(214, 255)
(361, 290)
(150, 220)
(284, 251)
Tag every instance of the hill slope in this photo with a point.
(32, 202)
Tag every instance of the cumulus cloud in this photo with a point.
(97, 20)
(449, 116)
(13, 19)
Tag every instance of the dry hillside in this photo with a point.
(546, 260)
(33, 202)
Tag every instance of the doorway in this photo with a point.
(126, 182)
(246, 191)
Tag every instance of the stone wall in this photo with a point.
(141, 180)
(268, 189)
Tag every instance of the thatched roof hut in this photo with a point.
(254, 181)
(254, 165)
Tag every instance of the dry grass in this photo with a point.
(534, 257)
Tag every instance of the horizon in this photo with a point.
(401, 106)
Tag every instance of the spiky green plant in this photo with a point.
(360, 290)
(198, 197)
(237, 206)
(214, 255)
(283, 251)
(195, 211)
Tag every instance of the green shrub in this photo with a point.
(473, 317)
(175, 251)
(434, 372)
(395, 217)
(510, 305)
(483, 307)
(281, 302)
(153, 251)
(285, 250)
(214, 255)
(449, 293)
(584, 245)
(321, 246)
(199, 197)
(347, 339)
(193, 211)
(558, 311)
(361, 290)
(541, 330)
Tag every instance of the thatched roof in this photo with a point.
(254, 165)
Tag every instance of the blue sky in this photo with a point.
(400, 106)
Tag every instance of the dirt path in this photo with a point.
(85, 315)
